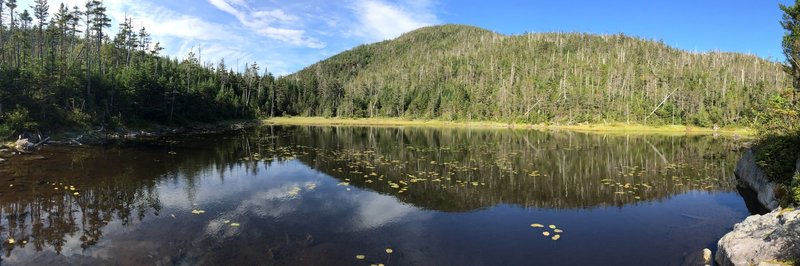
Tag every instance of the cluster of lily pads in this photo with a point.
(554, 235)
(228, 222)
(389, 252)
(626, 184)
(60, 185)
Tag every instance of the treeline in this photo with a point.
(67, 71)
(467, 73)
(779, 129)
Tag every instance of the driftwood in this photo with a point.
(76, 141)
(24, 145)
(43, 141)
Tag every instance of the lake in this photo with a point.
(295, 195)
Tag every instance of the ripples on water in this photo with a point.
(323, 195)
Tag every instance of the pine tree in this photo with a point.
(791, 41)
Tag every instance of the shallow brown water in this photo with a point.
(323, 195)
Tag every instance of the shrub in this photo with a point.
(19, 120)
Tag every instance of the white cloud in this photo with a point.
(263, 22)
(274, 15)
(283, 36)
(379, 20)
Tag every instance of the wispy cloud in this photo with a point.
(263, 22)
(281, 36)
(380, 20)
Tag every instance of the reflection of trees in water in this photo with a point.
(120, 184)
(569, 166)
(113, 184)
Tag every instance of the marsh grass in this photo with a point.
(611, 128)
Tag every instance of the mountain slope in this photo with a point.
(464, 72)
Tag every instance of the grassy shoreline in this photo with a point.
(620, 128)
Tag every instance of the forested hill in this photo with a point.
(69, 71)
(463, 72)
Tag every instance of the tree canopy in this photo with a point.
(458, 72)
(67, 71)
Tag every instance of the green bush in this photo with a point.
(776, 150)
(777, 156)
(796, 188)
(19, 120)
(80, 119)
(5, 132)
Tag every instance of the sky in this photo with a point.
(285, 36)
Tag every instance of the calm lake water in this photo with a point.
(324, 195)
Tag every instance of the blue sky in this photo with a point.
(287, 35)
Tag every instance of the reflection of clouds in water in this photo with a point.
(293, 188)
(286, 191)
(375, 210)
(211, 189)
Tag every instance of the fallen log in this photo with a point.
(40, 143)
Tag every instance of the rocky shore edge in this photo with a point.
(772, 238)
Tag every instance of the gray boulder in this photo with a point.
(762, 239)
(748, 172)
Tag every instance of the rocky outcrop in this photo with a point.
(750, 175)
(770, 238)
(24, 145)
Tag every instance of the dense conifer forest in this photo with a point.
(467, 73)
(68, 71)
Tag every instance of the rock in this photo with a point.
(748, 172)
(2, 160)
(24, 145)
(771, 263)
(707, 257)
(697, 257)
(770, 238)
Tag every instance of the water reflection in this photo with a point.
(320, 195)
(460, 170)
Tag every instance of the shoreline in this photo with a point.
(99, 137)
(613, 128)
